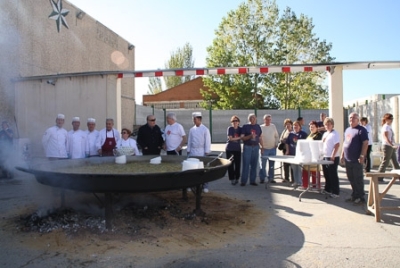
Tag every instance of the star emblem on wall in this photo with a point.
(59, 14)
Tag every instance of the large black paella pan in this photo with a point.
(102, 174)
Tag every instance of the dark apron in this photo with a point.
(108, 146)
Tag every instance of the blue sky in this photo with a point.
(359, 30)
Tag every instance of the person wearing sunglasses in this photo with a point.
(150, 137)
(234, 149)
(127, 145)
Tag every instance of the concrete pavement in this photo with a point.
(316, 232)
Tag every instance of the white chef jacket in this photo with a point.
(109, 134)
(199, 141)
(77, 144)
(128, 144)
(55, 142)
(173, 136)
(92, 139)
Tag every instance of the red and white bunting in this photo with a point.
(229, 70)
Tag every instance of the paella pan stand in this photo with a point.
(112, 184)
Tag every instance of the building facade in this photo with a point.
(183, 96)
(57, 59)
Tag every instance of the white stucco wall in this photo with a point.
(33, 49)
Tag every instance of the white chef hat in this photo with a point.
(76, 119)
(91, 120)
(196, 114)
(60, 116)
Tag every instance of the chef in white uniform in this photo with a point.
(77, 140)
(55, 140)
(199, 140)
(92, 136)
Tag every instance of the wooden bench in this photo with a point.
(375, 197)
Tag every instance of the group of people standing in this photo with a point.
(262, 140)
(257, 140)
(58, 143)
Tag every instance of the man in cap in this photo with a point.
(150, 137)
(6, 144)
(77, 141)
(55, 140)
(175, 136)
(199, 140)
(92, 136)
(108, 139)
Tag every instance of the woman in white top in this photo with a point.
(364, 123)
(388, 146)
(331, 143)
(126, 145)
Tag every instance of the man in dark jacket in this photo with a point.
(150, 137)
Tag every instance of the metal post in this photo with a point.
(198, 211)
(152, 107)
(62, 198)
(108, 210)
(165, 117)
(211, 122)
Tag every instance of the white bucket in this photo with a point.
(200, 164)
(156, 160)
(120, 159)
(187, 164)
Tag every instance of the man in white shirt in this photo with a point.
(92, 136)
(199, 141)
(108, 139)
(270, 140)
(77, 141)
(175, 136)
(55, 140)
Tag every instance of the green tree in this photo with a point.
(155, 85)
(181, 58)
(256, 35)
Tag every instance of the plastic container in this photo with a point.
(156, 160)
(200, 164)
(120, 159)
(187, 165)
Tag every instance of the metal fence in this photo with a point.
(219, 120)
